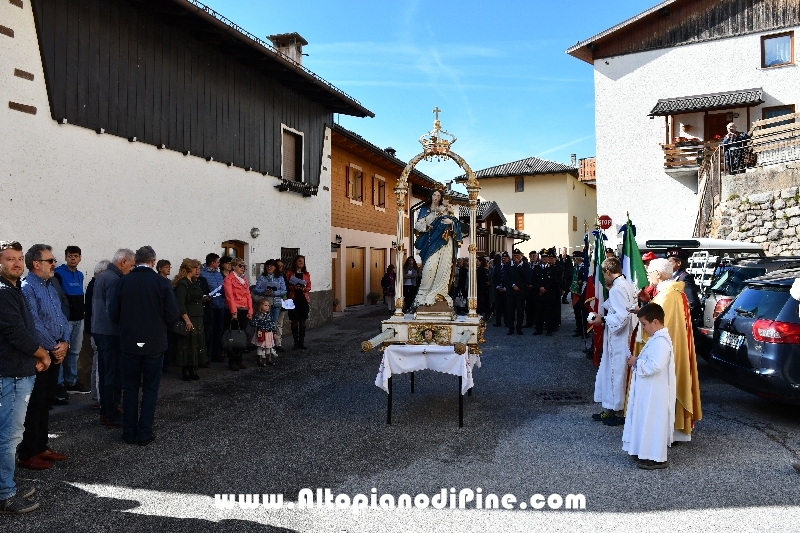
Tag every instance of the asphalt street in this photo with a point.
(317, 420)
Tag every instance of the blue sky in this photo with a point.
(497, 69)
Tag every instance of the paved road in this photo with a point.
(317, 420)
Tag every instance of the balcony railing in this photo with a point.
(687, 154)
(776, 140)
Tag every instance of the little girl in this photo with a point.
(264, 337)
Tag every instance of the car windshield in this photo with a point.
(730, 281)
(761, 302)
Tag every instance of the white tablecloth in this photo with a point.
(402, 358)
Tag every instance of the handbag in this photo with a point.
(179, 328)
(234, 339)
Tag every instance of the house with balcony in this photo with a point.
(549, 204)
(667, 83)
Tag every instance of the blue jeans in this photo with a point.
(69, 369)
(137, 422)
(14, 396)
(109, 369)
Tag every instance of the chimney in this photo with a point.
(391, 151)
(289, 45)
(573, 160)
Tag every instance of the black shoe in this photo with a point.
(17, 505)
(61, 393)
(497, 325)
(187, 376)
(537, 332)
(279, 349)
(526, 326)
(128, 441)
(614, 421)
(145, 442)
(577, 334)
(519, 332)
(204, 365)
(647, 464)
(60, 401)
(549, 334)
(78, 388)
(26, 491)
(510, 332)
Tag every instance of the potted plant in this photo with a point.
(373, 296)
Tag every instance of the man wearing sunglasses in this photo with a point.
(52, 330)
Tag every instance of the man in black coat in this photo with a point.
(549, 291)
(566, 261)
(499, 290)
(515, 283)
(534, 280)
(144, 305)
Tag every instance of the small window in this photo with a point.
(519, 184)
(519, 221)
(287, 256)
(777, 50)
(292, 156)
(379, 192)
(574, 223)
(355, 183)
(772, 112)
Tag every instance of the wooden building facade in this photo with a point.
(205, 128)
(168, 74)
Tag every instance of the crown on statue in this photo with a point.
(437, 142)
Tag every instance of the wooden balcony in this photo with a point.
(587, 169)
(776, 140)
(686, 156)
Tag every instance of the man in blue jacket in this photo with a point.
(52, 332)
(214, 311)
(144, 305)
(71, 280)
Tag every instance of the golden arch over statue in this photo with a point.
(436, 145)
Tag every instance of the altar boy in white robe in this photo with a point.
(612, 376)
(651, 397)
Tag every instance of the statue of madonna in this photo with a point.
(439, 236)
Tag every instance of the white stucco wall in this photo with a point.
(630, 160)
(64, 184)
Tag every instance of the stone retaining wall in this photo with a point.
(770, 218)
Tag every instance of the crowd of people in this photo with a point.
(134, 322)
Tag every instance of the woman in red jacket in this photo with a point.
(298, 284)
(239, 302)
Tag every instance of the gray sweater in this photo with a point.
(105, 282)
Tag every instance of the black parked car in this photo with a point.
(757, 339)
(727, 283)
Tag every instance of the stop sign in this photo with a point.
(604, 221)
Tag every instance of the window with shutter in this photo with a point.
(519, 221)
(378, 191)
(355, 185)
(292, 151)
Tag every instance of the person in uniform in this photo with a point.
(560, 272)
(549, 290)
(499, 290)
(534, 277)
(576, 290)
(515, 283)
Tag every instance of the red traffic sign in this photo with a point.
(604, 221)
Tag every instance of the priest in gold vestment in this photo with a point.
(670, 296)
